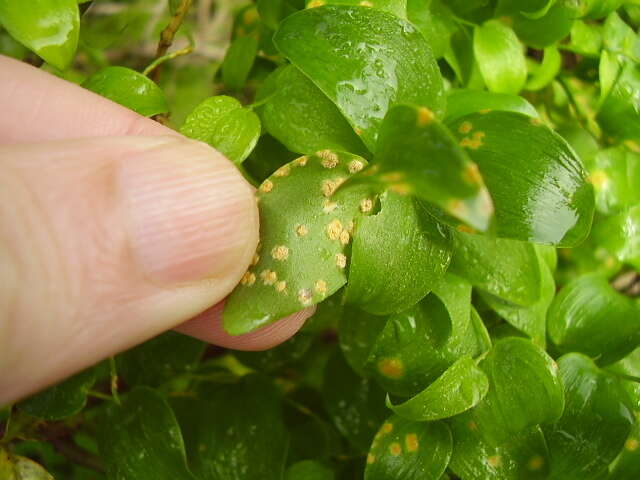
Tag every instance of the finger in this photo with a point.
(107, 242)
(208, 327)
(37, 106)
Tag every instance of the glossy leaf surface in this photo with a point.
(365, 60)
(500, 57)
(461, 102)
(618, 234)
(589, 316)
(224, 124)
(596, 422)
(397, 7)
(128, 88)
(304, 119)
(302, 257)
(458, 389)
(536, 181)
(408, 450)
(235, 432)
(402, 247)
(62, 400)
(50, 28)
(435, 21)
(357, 333)
(141, 439)
(416, 154)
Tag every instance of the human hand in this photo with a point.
(113, 229)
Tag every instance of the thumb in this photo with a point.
(106, 242)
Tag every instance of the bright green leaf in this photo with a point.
(299, 115)
(463, 102)
(536, 181)
(619, 236)
(619, 114)
(500, 57)
(416, 154)
(50, 28)
(365, 60)
(408, 450)
(62, 400)
(128, 88)
(545, 72)
(596, 422)
(273, 11)
(458, 389)
(590, 317)
(238, 61)
(402, 247)
(586, 38)
(435, 21)
(627, 465)
(397, 7)
(598, 8)
(549, 29)
(305, 227)
(141, 439)
(528, 8)
(222, 123)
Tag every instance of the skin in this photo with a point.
(113, 229)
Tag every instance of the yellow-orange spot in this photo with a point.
(465, 229)
(283, 171)
(395, 449)
(269, 277)
(535, 121)
(266, 186)
(411, 442)
(467, 142)
(632, 145)
(329, 206)
(302, 230)
(281, 286)
(391, 367)
(341, 260)
(280, 252)
(535, 463)
(248, 279)
(355, 166)
(315, 3)
(472, 174)
(329, 158)
(465, 127)
(344, 237)
(256, 259)
(305, 296)
(366, 205)
(598, 179)
(425, 116)
(329, 187)
(392, 177)
(473, 425)
(400, 188)
(631, 444)
(320, 287)
(365, 3)
(301, 161)
(249, 16)
(484, 111)
(371, 458)
(350, 227)
(387, 427)
(494, 461)
(334, 229)
(358, 131)
(458, 208)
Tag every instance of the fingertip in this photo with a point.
(208, 327)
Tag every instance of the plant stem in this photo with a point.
(114, 380)
(169, 56)
(168, 34)
(79, 456)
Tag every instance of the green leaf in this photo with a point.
(16, 467)
(300, 116)
(549, 29)
(409, 450)
(545, 72)
(50, 28)
(273, 11)
(417, 154)
(536, 181)
(627, 465)
(458, 389)
(435, 21)
(619, 114)
(308, 470)
(416, 346)
(586, 38)
(141, 439)
(500, 57)
(529, 8)
(357, 333)
(596, 422)
(506, 269)
(238, 61)
(285, 354)
(618, 235)
(593, 9)
(237, 433)
(620, 38)
(590, 317)
(128, 88)
(160, 359)
(396, 256)
(222, 123)
(355, 404)
(62, 400)
(305, 229)
(615, 176)
(463, 102)
(396, 7)
(365, 60)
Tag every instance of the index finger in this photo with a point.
(38, 106)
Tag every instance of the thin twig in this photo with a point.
(168, 34)
(169, 56)
(114, 380)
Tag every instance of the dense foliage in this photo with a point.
(455, 184)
